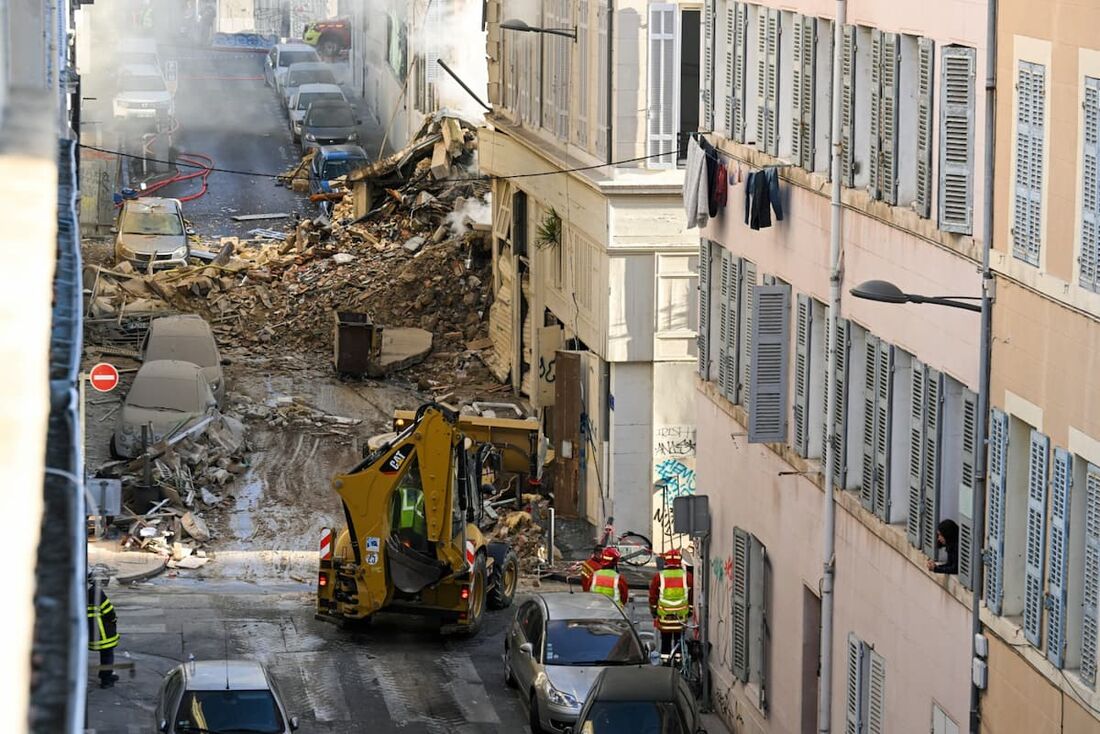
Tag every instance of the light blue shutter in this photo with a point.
(1038, 458)
(731, 85)
(995, 550)
(874, 156)
(876, 693)
(748, 292)
(726, 276)
(848, 107)
(804, 83)
(738, 90)
(772, 100)
(867, 475)
(1089, 258)
(1027, 202)
(739, 623)
(917, 404)
(930, 485)
(840, 399)
(853, 698)
(702, 338)
(802, 367)
(966, 489)
(884, 394)
(663, 73)
(758, 618)
(956, 205)
(707, 121)
(1061, 482)
(771, 339)
(888, 126)
(925, 82)
(1091, 583)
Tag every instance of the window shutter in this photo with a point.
(1091, 586)
(840, 399)
(917, 405)
(867, 478)
(740, 617)
(853, 699)
(563, 50)
(744, 352)
(774, 30)
(874, 157)
(925, 81)
(1038, 458)
(1089, 258)
(956, 200)
(994, 554)
(707, 121)
(603, 131)
(802, 366)
(581, 115)
(763, 18)
(876, 694)
(888, 125)
(803, 69)
(1026, 217)
(884, 392)
(966, 488)
(770, 343)
(848, 107)
(702, 339)
(537, 71)
(930, 486)
(663, 71)
(738, 88)
(1061, 483)
(758, 617)
(728, 309)
(731, 85)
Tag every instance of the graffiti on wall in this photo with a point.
(673, 476)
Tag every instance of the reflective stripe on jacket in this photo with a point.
(672, 602)
(102, 622)
(606, 582)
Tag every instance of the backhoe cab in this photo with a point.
(413, 542)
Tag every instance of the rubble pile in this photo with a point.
(523, 530)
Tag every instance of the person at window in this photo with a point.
(947, 537)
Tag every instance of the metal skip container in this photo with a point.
(357, 342)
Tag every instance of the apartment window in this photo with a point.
(1058, 553)
(580, 114)
(941, 722)
(865, 700)
(884, 92)
(810, 82)
(1091, 577)
(702, 339)
(707, 92)
(603, 76)
(749, 619)
(769, 360)
(556, 57)
(838, 432)
(676, 309)
(1027, 231)
(395, 46)
(878, 368)
(737, 61)
(673, 104)
(687, 92)
(1089, 259)
(809, 379)
(956, 178)
(736, 283)
(767, 80)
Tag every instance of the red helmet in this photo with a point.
(609, 556)
(673, 559)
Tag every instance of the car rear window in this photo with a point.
(305, 100)
(194, 349)
(151, 222)
(251, 711)
(591, 642)
(293, 57)
(310, 76)
(165, 393)
(644, 717)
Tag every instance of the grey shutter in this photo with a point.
(966, 489)
(1037, 465)
(867, 475)
(1061, 483)
(930, 485)
(772, 100)
(853, 698)
(758, 615)
(1089, 258)
(744, 352)
(707, 121)
(876, 693)
(603, 132)
(995, 550)
(925, 83)
(771, 340)
(537, 70)
(663, 73)
(848, 107)
(726, 275)
(763, 16)
(918, 403)
(888, 118)
(581, 121)
(840, 399)
(738, 93)
(1027, 202)
(802, 366)
(803, 71)
(884, 393)
(874, 156)
(956, 200)
(564, 54)
(740, 618)
(702, 338)
(1091, 586)
(731, 86)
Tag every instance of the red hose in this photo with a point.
(204, 164)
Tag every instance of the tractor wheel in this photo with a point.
(502, 584)
(477, 597)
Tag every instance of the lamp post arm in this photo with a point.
(949, 302)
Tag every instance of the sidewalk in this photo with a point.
(125, 567)
(714, 725)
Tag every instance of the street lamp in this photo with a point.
(886, 292)
(522, 27)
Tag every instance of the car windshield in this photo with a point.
(194, 349)
(165, 393)
(230, 711)
(330, 116)
(591, 642)
(287, 58)
(151, 222)
(142, 84)
(310, 76)
(305, 100)
(637, 717)
(336, 169)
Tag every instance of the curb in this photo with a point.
(143, 575)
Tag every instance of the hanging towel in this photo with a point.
(696, 192)
(712, 181)
(721, 186)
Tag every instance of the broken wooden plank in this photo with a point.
(441, 161)
(258, 217)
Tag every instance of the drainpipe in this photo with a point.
(825, 689)
(977, 512)
(610, 76)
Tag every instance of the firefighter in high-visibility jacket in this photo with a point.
(411, 522)
(102, 631)
(671, 598)
(607, 580)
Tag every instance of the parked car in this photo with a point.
(221, 696)
(556, 646)
(168, 395)
(650, 700)
(331, 162)
(151, 233)
(329, 122)
(330, 37)
(141, 94)
(305, 72)
(281, 56)
(303, 97)
(186, 338)
(136, 51)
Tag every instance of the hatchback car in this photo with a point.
(329, 123)
(331, 162)
(142, 94)
(186, 338)
(652, 700)
(221, 696)
(151, 233)
(303, 97)
(558, 643)
(168, 396)
(281, 56)
(305, 72)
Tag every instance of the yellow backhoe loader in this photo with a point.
(413, 506)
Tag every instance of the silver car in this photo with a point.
(168, 396)
(151, 233)
(306, 95)
(221, 696)
(558, 643)
(281, 56)
(187, 338)
(305, 72)
(142, 95)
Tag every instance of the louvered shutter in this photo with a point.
(876, 693)
(731, 86)
(803, 71)
(1027, 201)
(740, 619)
(744, 352)
(738, 93)
(848, 107)
(874, 157)
(995, 515)
(840, 400)
(563, 54)
(548, 45)
(725, 320)
(1091, 584)
(918, 402)
(956, 199)
(1061, 482)
(853, 698)
(1038, 460)
(581, 116)
(1089, 259)
(707, 121)
(888, 125)
(930, 484)
(884, 393)
(763, 21)
(702, 339)
(603, 129)
(966, 489)
(802, 366)
(772, 137)
(537, 72)
(663, 72)
(867, 475)
(758, 615)
(771, 339)
(926, 62)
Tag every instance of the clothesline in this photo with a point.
(707, 184)
(739, 161)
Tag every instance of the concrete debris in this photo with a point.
(190, 562)
(195, 526)
(343, 258)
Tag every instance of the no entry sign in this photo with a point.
(104, 377)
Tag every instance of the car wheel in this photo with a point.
(534, 723)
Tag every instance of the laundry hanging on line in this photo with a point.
(762, 198)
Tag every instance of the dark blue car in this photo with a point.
(331, 162)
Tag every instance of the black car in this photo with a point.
(649, 700)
